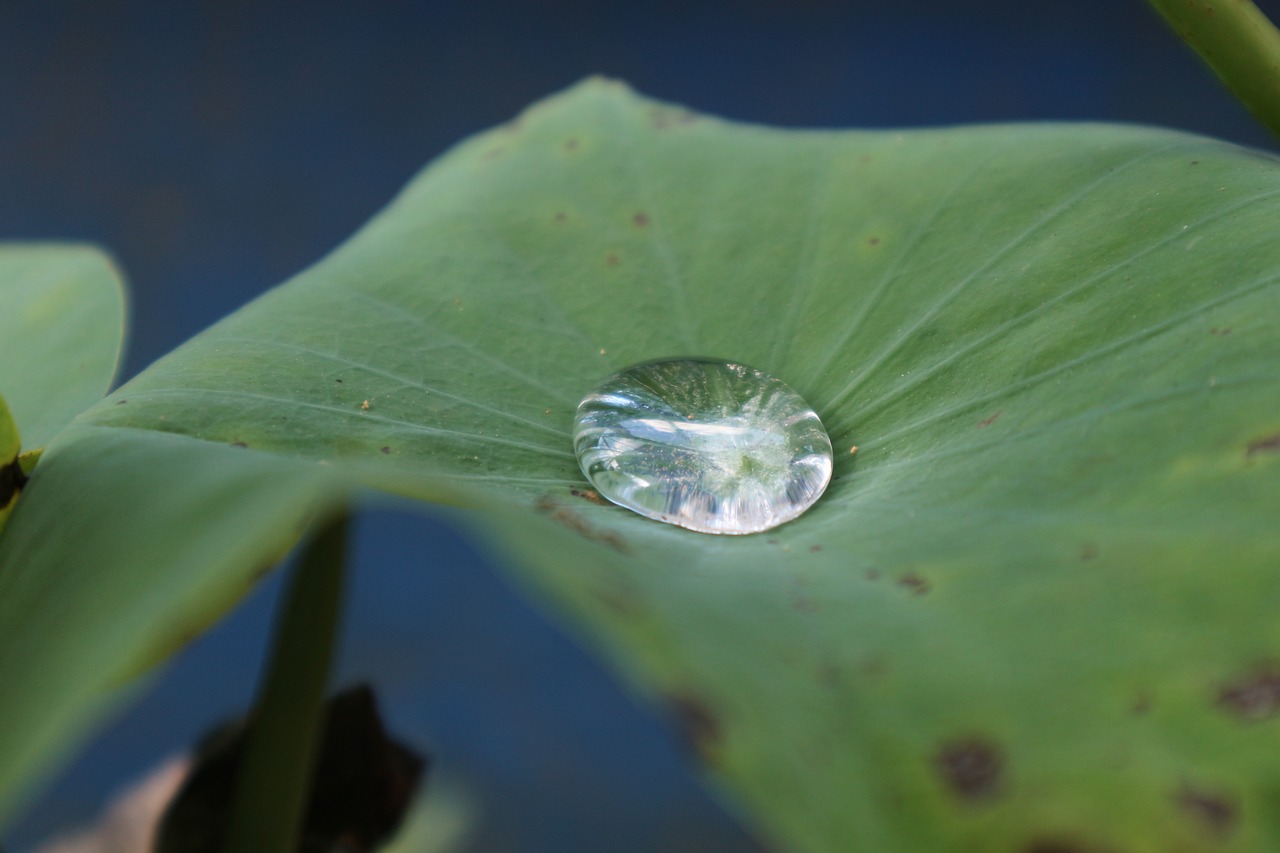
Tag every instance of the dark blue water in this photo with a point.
(217, 148)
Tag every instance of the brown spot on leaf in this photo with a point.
(1224, 330)
(1089, 551)
(339, 381)
(612, 260)
(1269, 444)
(699, 726)
(238, 444)
(873, 241)
(972, 768)
(989, 421)
(873, 574)
(571, 144)
(1254, 698)
(588, 495)
(386, 449)
(1195, 162)
(1142, 704)
(561, 216)
(122, 402)
(1215, 811)
(641, 220)
(815, 548)
(575, 522)
(915, 583)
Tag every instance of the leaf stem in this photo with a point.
(1239, 43)
(275, 776)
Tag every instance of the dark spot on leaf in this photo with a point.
(386, 449)
(915, 583)
(1142, 704)
(575, 522)
(873, 241)
(1224, 330)
(122, 402)
(571, 144)
(11, 481)
(1195, 162)
(612, 260)
(1089, 551)
(561, 216)
(1270, 444)
(772, 541)
(699, 726)
(339, 381)
(239, 444)
(989, 421)
(1254, 698)
(815, 548)
(641, 220)
(972, 768)
(873, 574)
(1215, 811)
(588, 495)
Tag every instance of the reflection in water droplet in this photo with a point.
(709, 445)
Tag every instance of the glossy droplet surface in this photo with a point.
(713, 446)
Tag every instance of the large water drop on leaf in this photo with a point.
(713, 446)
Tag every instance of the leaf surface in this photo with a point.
(1036, 608)
(61, 333)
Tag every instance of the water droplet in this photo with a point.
(713, 446)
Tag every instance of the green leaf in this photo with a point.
(61, 333)
(1035, 609)
(124, 546)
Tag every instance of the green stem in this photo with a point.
(275, 775)
(1239, 44)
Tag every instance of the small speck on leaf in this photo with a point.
(972, 768)
(386, 450)
(365, 406)
(122, 402)
(1089, 551)
(612, 260)
(1223, 330)
(238, 444)
(873, 241)
(641, 220)
(1269, 444)
(983, 424)
(915, 583)
(1256, 697)
(571, 144)
(1215, 811)
(699, 726)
